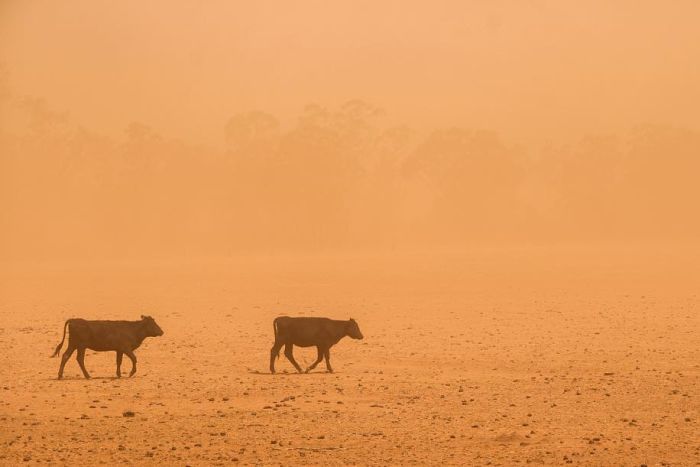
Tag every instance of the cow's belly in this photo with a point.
(305, 343)
(110, 343)
(104, 347)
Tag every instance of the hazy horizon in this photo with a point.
(185, 129)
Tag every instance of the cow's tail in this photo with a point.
(58, 347)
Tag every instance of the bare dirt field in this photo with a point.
(496, 357)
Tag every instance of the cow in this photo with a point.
(122, 337)
(307, 332)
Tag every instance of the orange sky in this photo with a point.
(533, 70)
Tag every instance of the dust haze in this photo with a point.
(503, 194)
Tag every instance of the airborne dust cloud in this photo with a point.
(174, 130)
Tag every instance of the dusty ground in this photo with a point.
(502, 357)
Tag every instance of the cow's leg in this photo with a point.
(119, 363)
(81, 362)
(318, 359)
(290, 356)
(327, 354)
(131, 355)
(274, 353)
(66, 355)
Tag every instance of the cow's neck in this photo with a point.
(140, 333)
(340, 332)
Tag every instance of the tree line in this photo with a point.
(334, 178)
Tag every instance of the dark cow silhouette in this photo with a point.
(307, 332)
(122, 337)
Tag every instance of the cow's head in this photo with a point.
(152, 329)
(354, 330)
